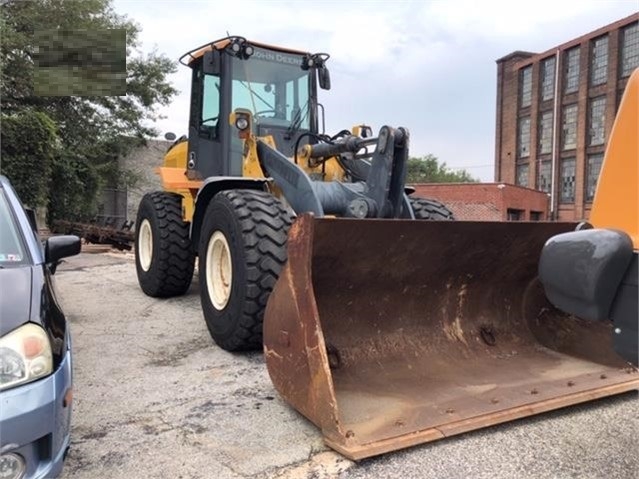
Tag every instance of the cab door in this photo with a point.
(206, 152)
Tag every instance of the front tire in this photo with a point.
(242, 250)
(425, 209)
(163, 257)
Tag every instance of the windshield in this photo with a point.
(12, 252)
(274, 87)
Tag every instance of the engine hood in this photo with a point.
(15, 297)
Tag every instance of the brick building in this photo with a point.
(555, 142)
(488, 201)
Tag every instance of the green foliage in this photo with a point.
(93, 131)
(28, 146)
(427, 169)
(74, 183)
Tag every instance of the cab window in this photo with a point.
(210, 101)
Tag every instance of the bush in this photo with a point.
(28, 148)
(75, 183)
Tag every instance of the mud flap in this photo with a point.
(392, 333)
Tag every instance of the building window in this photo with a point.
(567, 180)
(629, 49)
(569, 125)
(515, 215)
(525, 87)
(571, 80)
(547, 78)
(597, 119)
(545, 133)
(599, 65)
(593, 167)
(544, 176)
(524, 137)
(536, 216)
(522, 175)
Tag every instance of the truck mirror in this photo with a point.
(211, 62)
(324, 78)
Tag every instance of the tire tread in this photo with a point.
(264, 223)
(427, 209)
(175, 258)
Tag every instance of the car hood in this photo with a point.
(15, 297)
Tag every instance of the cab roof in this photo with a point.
(222, 43)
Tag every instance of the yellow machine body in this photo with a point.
(616, 203)
(174, 179)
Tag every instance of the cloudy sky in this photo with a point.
(426, 65)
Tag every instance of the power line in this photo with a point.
(471, 166)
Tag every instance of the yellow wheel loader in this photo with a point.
(382, 330)
(255, 158)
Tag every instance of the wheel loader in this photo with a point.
(383, 329)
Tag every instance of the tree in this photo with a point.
(93, 131)
(427, 169)
(28, 144)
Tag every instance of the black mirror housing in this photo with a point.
(211, 64)
(324, 78)
(58, 247)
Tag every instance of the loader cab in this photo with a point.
(277, 86)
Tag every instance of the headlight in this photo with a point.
(241, 123)
(25, 355)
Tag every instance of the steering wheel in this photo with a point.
(263, 112)
(213, 118)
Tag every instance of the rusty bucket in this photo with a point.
(391, 333)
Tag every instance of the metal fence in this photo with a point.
(112, 205)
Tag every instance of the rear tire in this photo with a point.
(163, 257)
(425, 209)
(241, 253)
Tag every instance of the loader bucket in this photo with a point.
(391, 333)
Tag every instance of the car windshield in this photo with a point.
(274, 87)
(12, 251)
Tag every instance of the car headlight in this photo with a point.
(25, 355)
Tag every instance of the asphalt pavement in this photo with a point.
(154, 397)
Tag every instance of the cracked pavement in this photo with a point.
(155, 398)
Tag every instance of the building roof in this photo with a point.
(515, 54)
(576, 41)
(223, 42)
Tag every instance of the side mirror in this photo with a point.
(211, 63)
(170, 136)
(324, 78)
(58, 247)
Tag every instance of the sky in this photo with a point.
(426, 65)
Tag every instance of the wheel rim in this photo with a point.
(145, 245)
(219, 270)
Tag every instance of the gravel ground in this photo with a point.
(155, 398)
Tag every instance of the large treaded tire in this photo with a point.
(171, 259)
(425, 209)
(254, 225)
